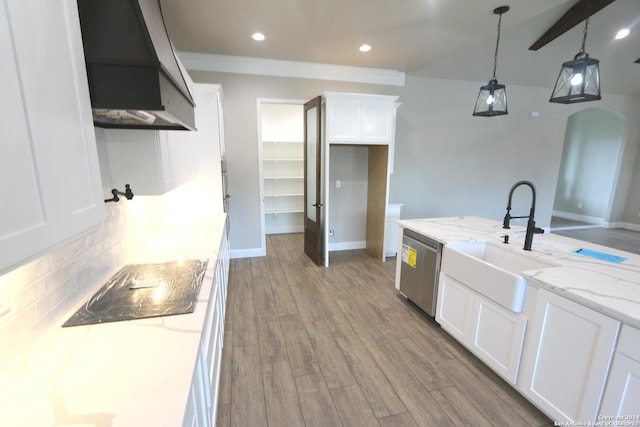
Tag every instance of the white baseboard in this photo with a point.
(248, 253)
(347, 246)
(625, 225)
(577, 217)
(285, 229)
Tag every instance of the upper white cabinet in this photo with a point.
(360, 118)
(568, 350)
(152, 162)
(210, 140)
(621, 401)
(50, 177)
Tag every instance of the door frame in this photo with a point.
(259, 102)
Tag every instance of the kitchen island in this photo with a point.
(159, 371)
(572, 346)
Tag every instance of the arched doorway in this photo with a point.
(588, 169)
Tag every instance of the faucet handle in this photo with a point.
(506, 220)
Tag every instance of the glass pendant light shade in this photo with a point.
(492, 100)
(578, 81)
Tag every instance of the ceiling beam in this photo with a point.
(578, 13)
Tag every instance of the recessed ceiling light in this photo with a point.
(622, 33)
(258, 37)
(365, 48)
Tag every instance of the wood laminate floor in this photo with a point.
(312, 346)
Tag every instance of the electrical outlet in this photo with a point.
(580, 205)
(330, 232)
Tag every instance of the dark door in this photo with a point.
(312, 167)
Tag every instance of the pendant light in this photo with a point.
(579, 80)
(492, 98)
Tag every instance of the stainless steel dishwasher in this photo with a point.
(420, 269)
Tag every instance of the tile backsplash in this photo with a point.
(34, 296)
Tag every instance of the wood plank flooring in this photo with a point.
(312, 346)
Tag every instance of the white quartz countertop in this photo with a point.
(126, 373)
(611, 288)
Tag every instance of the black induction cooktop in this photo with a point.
(144, 290)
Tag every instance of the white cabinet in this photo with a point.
(360, 118)
(621, 401)
(357, 118)
(392, 229)
(454, 310)
(153, 162)
(202, 406)
(210, 140)
(491, 332)
(568, 350)
(50, 183)
(498, 337)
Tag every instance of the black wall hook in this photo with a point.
(127, 193)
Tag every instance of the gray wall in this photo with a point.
(348, 204)
(447, 163)
(589, 163)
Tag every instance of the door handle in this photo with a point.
(317, 205)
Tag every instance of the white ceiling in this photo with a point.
(434, 38)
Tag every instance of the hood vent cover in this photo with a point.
(134, 77)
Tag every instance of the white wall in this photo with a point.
(589, 163)
(447, 163)
(348, 164)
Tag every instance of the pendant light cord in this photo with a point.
(495, 55)
(584, 37)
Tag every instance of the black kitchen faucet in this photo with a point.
(531, 225)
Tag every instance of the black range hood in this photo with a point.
(134, 78)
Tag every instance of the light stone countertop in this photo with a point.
(610, 288)
(126, 373)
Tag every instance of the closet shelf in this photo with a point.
(283, 211)
(284, 195)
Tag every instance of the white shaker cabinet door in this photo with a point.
(360, 118)
(50, 183)
(152, 162)
(621, 401)
(497, 337)
(454, 309)
(568, 351)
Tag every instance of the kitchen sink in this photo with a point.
(491, 270)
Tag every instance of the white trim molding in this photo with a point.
(281, 68)
(593, 220)
(248, 253)
(347, 246)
